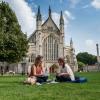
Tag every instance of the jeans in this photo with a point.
(63, 78)
(42, 79)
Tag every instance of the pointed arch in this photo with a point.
(50, 48)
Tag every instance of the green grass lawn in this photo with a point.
(11, 88)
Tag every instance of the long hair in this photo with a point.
(38, 60)
(62, 60)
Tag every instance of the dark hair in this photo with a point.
(38, 60)
(62, 60)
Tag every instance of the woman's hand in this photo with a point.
(63, 74)
(39, 75)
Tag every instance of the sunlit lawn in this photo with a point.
(11, 88)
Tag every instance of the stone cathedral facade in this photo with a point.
(48, 40)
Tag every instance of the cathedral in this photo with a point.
(48, 41)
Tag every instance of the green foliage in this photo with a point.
(86, 58)
(80, 65)
(13, 43)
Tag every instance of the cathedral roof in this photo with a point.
(32, 34)
(49, 23)
(51, 20)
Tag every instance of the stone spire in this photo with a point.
(61, 19)
(39, 14)
(38, 19)
(49, 11)
(61, 24)
(98, 58)
(71, 43)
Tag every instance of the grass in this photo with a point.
(11, 88)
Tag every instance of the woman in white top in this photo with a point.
(64, 72)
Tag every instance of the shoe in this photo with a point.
(38, 83)
(54, 82)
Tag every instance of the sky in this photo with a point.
(82, 19)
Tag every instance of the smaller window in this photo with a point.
(32, 57)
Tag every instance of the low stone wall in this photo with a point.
(91, 68)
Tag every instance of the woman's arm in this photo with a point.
(63, 74)
(59, 73)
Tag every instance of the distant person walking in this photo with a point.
(2, 70)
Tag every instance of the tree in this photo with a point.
(80, 66)
(13, 42)
(86, 58)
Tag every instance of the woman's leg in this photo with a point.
(44, 78)
(58, 78)
(39, 80)
(63, 78)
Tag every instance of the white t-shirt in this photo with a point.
(68, 70)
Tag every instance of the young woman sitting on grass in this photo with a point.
(37, 72)
(64, 72)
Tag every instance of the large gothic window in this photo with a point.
(50, 48)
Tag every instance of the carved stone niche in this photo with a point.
(50, 28)
(51, 34)
(44, 30)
